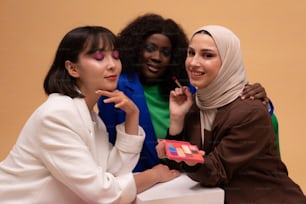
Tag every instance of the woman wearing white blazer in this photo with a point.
(62, 154)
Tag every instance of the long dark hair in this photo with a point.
(74, 42)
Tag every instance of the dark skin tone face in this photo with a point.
(156, 57)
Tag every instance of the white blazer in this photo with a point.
(63, 156)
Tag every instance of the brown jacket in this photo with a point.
(241, 155)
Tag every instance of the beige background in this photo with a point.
(273, 35)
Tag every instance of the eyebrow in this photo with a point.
(156, 45)
(204, 49)
(208, 49)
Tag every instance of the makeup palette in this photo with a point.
(183, 151)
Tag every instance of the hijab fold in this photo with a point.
(230, 81)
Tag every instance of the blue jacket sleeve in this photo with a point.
(110, 116)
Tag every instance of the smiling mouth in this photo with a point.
(193, 73)
(153, 68)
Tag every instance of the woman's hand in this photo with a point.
(158, 174)
(160, 149)
(255, 91)
(120, 99)
(164, 173)
(180, 102)
(127, 105)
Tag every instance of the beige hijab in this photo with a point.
(230, 81)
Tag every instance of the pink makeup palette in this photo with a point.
(183, 151)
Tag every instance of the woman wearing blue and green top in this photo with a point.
(152, 51)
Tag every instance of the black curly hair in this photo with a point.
(131, 42)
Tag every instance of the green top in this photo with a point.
(159, 110)
(275, 126)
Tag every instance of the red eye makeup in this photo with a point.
(98, 56)
(115, 54)
(183, 151)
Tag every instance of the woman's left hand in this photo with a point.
(255, 91)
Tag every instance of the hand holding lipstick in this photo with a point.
(180, 101)
(177, 82)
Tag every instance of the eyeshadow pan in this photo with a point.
(183, 151)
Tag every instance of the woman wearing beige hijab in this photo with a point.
(236, 135)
